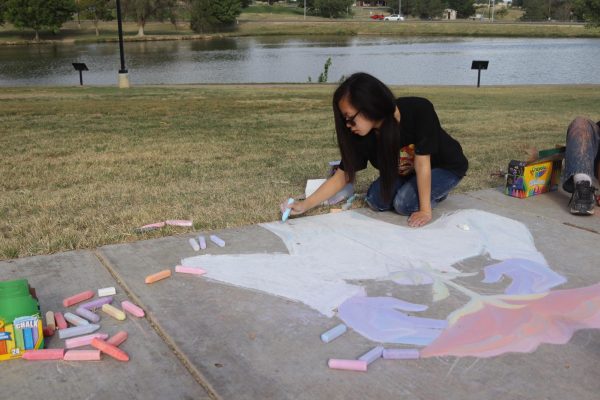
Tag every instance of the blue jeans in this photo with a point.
(582, 155)
(405, 196)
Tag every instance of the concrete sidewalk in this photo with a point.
(204, 339)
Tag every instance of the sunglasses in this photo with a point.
(351, 121)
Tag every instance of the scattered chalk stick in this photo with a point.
(348, 365)
(75, 319)
(189, 270)
(77, 331)
(372, 355)
(50, 321)
(132, 309)
(61, 323)
(202, 241)
(44, 354)
(107, 291)
(96, 304)
(158, 276)
(87, 314)
(333, 333)
(114, 312)
(117, 338)
(78, 298)
(85, 340)
(82, 355)
(109, 349)
(217, 240)
(194, 244)
(401, 354)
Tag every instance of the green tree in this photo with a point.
(428, 9)
(535, 10)
(589, 10)
(333, 8)
(143, 10)
(464, 8)
(210, 15)
(39, 14)
(96, 10)
(2, 9)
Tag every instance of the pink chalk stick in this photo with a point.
(82, 355)
(132, 309)
(178, 222)
(61, 323)
(44, 354)
(349, 365)
(117, 338)
(83, 340)
(155, 225)
(78, 298)
(189, 270)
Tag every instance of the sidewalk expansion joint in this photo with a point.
(197, 375)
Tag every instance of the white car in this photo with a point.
(394, 17)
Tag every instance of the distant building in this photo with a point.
(449, 14)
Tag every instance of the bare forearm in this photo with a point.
(423, 171)
(331, 186)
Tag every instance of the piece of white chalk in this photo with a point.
(217, 240)
(401, 354)
(74, 319)
(107, 291)
(333, 333)
(194, 244)
(372, 355)
(202, 241)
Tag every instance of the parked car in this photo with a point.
(377, 17)
(394, 17)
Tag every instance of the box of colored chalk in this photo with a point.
(526, 179)
(20, 320)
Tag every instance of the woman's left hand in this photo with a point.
(419, 218)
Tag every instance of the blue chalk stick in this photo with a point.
(286, 213)
(372, 355)
(400, 354)
(334, 333)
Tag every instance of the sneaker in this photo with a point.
(583, 199)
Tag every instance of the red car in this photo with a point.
(377, 17)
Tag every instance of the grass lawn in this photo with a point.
(83, 167)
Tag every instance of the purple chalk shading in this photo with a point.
(400, 354)
(527, 276)
(217, 240)
(378, 319)
(202, 241)
(372, 355)
(98, 303)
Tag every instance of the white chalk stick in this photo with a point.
(217, 240)
(194, 244)
(107, 291)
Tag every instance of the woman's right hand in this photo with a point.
(298, 207)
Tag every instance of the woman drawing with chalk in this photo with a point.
(373, 126)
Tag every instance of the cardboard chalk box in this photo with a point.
(528, 179)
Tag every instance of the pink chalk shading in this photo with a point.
(44, 354)
(189, 270)
(179, 222)
(85, 340)
(82, 355)
(490, 330)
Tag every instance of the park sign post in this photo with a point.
(123, 76)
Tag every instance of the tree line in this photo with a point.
(213, 15)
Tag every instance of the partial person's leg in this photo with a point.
(583, 138)
(406, 200)
(374, 198)
(581, 157)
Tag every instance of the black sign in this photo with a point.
(479, 65)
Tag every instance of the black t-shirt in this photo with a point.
(420, 126)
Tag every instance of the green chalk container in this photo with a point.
(16, 301)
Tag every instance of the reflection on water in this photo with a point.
(418, 61)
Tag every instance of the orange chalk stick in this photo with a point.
(117, 338)
(78, 298)
(44, 354)
(158, 276)
(109, 349)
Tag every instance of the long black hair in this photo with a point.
(376, 102)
